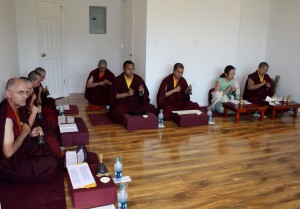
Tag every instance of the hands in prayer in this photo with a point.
(105, 82)
(37, 131)
(25, 129)
(33, 97)
(177, 89)
(130, 92)
(268, 84)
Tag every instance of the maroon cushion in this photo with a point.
(102, 194)
(132, 122)
(72, 111)
(191, 119)
(76, 138)
(92, 158)
(99, 119)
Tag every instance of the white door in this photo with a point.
(49, 24)
(127, 30)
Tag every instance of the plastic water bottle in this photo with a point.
(61, 110)
(209, 113)
(118, 168)
(160, 119)
(122, 197)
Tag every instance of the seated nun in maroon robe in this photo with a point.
(48, 102)
(259, 85)
(98, 85)
(21, 158)
(48, 112)
(174, 93)
(29, 113)
(129, 93)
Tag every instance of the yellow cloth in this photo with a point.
(175, 81)
(128, 81)
(261, 77)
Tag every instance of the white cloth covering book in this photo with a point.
(124, 179)
(74, 157)
(68, 127)
(185, 112)
(65, 106)
(236, 102)
(81, 176)
(65, 119)
(105, 207)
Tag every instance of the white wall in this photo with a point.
(27, 35)
(201, 34)
(9, 65)
(140, 36)
(84, 50)
(283, 46)
(253, 33)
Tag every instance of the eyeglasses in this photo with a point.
(21, 93)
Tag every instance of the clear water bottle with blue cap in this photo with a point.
(209, 114)
(118, 168)
(61, 110)
(161, 118)
(122, 197)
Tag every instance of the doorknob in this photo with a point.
(43, 55)
(130, 55)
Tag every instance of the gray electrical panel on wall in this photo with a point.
(97, 20)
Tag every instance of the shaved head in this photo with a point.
(35, 77)
(26, 80)
(16, 92)
(11, 83)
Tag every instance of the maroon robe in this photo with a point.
(176, 101)
(31, 162)
(131, 103)
(47, 102)
(51, 134)
(257, 95)
(99, 95)
(49, 114)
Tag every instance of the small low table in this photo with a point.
(102, 194)
(76, 138)
(244, 109)
(284, 106)
(72, 111)
(133, 122)
(190, 119)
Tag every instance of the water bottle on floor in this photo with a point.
(61, 110)
(160, 119)
(118, 168)
(209, 114)
(122, 197)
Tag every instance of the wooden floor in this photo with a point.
(250, 165)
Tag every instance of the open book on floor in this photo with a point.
(81, 176)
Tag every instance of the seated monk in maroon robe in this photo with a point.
(129, 93)
(98, 85)
(173, 93)
(29, 112)
(48, 102)
(21, 158)
(259, 85)
(48, 112)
